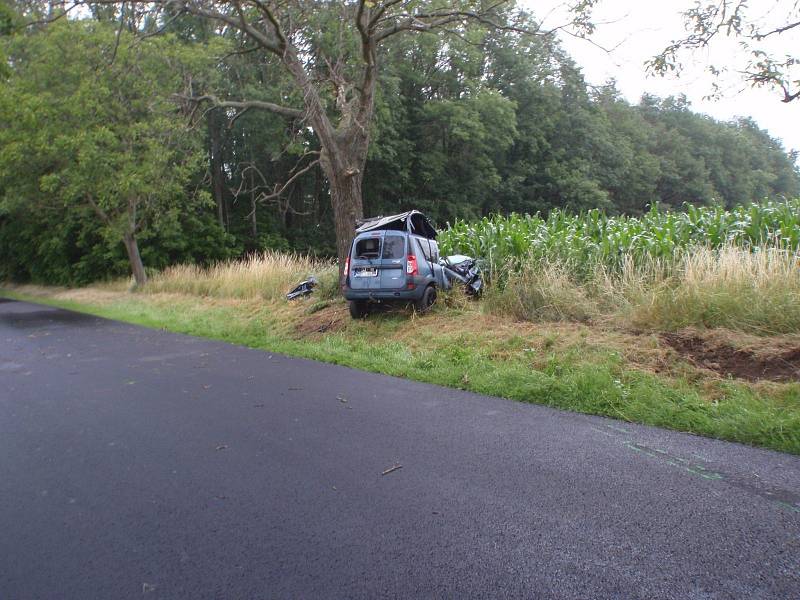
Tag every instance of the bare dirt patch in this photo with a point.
(777, 359)
(328, 320)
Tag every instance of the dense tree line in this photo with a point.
(100, 145)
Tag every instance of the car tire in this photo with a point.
(427, 300)
(358, 309)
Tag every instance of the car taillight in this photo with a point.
(346, 266)
(411, 265)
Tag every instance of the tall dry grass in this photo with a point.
(542, 291)
(730, 287)
(269, 275)
(755, 291)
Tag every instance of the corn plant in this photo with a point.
(584, 241)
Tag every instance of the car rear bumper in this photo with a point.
(384, 294)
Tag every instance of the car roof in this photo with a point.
(421, 225)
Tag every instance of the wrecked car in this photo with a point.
(396, 259)
(393, 258)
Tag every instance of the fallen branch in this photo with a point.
(392, 469)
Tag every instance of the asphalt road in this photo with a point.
(136, 463)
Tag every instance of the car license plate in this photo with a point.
(370, 272)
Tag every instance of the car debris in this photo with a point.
(466, 270)
(304, 288)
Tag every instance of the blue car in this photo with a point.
(393, 259)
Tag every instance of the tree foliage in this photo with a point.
(330, 56)
(97, 135)
(486, 120)
(767, 36)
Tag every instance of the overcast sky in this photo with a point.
(639, 29)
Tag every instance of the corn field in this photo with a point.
(590, 239)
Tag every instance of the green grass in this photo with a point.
(578, 375)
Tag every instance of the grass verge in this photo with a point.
(578, 367)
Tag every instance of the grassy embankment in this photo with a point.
(592, 343)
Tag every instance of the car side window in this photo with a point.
(427, 250)
(394, 246)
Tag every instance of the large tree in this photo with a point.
(331, 54)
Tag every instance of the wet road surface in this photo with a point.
(136, 463)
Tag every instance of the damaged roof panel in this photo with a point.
(412, 221)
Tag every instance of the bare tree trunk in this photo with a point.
(294, 217)
(253, 219)
(317, 194)
(343, 165)
(137, 268)
(347, 208)
(253, 206)
(217, 171)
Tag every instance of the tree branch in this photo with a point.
(368, 82)
(52, 19)
(424, 22)
(274, 22)
(259, 36)
(278, 189)
(277, 192)
(178, 14)
(243, 106)
(760, 36)
(98, 211)
(379, 13)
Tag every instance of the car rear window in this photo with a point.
(368, 248)
(394, 246)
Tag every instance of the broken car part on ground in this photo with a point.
(304, 288)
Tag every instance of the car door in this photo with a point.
(393, 261)
(365, 261)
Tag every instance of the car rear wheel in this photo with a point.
(358, 309)
(427, 300)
